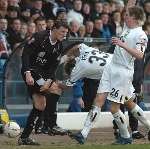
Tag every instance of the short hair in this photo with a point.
(40, 19)
(138, 14)
(61, 23)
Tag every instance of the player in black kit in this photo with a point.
(40, 58)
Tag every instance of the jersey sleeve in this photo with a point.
(141, 43)
(29, 49)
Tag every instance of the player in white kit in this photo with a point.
(116, 81)
(89, 62)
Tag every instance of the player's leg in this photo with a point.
(50, 116)
(89, 93)
(91, 118)
(93, 114)
(120, 120)
(138, 113)
(115, 126)
(133, 123)
(38, 106)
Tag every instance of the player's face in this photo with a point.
(130, 20)
(61, 33)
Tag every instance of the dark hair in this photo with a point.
(61, 23)
(60, 10)
(68, 66)
(40, 19)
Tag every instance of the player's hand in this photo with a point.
(63, 84)
(45, 87)
(55, 89)
(29, 78)
(117, 41)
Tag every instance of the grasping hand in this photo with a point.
(55, 89)
(29, 78)
(45, 87)
(117, 41)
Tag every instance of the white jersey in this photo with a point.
(134, 38)
(90, 63)
(118, 75)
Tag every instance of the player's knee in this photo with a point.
(39, 102)
(99, 100)
(130, 104)
(114, 108)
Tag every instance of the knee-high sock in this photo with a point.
(120, 120)
(31, 121)
(133, 122)
(139, 114)
(91, 118)
(50, 113)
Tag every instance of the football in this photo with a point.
(11, 129)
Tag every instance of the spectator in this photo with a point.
(40, 24)
(12, 13)
(116, 21)
(107, 29)
(89, 25)
(61, 14)
(82, 31)
(86, 12)
(106, 8)
(67, 4)
(76, 13)
(119, 5)
(4, 46)
(98, 28)
(14, 33)
(74, 28)
(147, 8)
(3, 8)
(50, 24)
(14, 3)
(23, 31)
(36, 10)
(31, 29)
(98, 8)
(25, 14)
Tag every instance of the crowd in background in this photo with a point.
(19, 19)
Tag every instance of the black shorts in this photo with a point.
(32, 89)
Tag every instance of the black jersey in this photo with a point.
(41, 56)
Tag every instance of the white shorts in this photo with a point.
(117, 81)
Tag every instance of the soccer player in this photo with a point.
(40, 58)
(86, 62)
(116, 82)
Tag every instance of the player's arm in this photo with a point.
(138, 51)
(27, 52)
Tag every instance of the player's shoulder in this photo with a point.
(139, 33)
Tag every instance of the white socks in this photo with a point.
(139, 115)
(91, 118)
(120, 119)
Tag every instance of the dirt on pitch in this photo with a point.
(97, 136)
